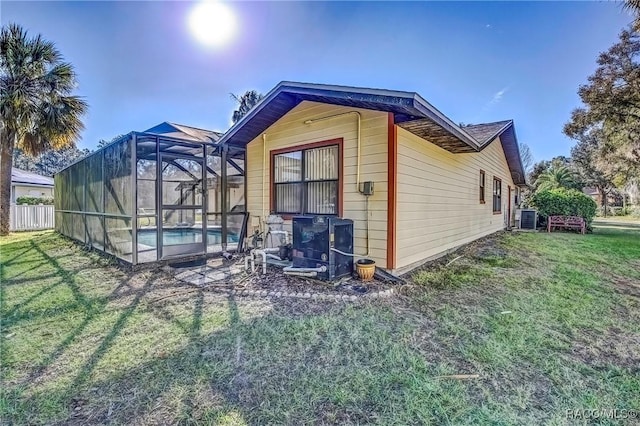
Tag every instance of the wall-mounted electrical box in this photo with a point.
(367, 188)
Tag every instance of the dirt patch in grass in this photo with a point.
(611, 347)
(627, 286)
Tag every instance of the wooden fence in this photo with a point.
(30, 218)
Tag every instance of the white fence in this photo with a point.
(30, 218)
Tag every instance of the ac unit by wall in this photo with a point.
(528, 219)
(314, 237)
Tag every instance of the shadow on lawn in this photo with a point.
(213, 372)
(91, 307)
(604, 224)
(252, 371)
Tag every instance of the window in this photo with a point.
(481, 186)
(497, 195)
(306, 180)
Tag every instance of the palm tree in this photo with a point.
(245, 102)
(556, 176)
(37, 110)
(633, 6)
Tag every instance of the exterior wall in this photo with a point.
(438, 205)
(30, 191)
(290, 131)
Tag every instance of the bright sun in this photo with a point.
(212, 23)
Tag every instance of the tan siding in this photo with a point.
(290, 131)
(438, 204)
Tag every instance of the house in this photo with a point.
(596, 196)
(27, 184)
(415, 183)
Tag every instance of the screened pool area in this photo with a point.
(148, 197)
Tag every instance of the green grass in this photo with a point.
(548, 321)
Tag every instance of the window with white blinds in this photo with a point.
(306, 181)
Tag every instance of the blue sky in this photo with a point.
(139, 65)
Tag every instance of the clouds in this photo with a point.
(497, 97)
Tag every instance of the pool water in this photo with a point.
(172, 237)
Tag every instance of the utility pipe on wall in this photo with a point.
(311, 121)
(264, 175)
(359, 143)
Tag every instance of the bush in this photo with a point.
(564, 202)
(634, 211)
(33, 201)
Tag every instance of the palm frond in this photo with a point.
(36, 103)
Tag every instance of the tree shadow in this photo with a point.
(12, 260)
(602, 225)
(216, 359)
(229, 373)
(91, 308)
(115, 331)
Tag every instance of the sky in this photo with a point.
(138, 64)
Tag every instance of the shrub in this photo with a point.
(564, 202)
(33, 201)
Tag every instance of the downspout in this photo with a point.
(359, 143)
(264, 177)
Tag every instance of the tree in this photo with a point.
(633, 6)
(527, 158)
(37, 110)
(50, 162)
(585, 156)
(611, 107)
(246, 101)
(537, 170)
(103, 142)
(556, 176)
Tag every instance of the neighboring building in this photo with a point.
(437, 185)
(29, 184)
(597, 197)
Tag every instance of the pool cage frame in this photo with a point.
(105, 199)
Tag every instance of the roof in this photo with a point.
(486, 132)
(590, 191)
(182, 131)
(410, 111)
(23, 176)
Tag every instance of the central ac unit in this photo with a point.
(315, 241)
(528, 219)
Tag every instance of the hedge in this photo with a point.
(564, 202)
(33, 201)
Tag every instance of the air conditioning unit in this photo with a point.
(314, 237)
(528, 219)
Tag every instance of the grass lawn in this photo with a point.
(548, 322)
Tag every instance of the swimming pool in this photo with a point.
(172, 237)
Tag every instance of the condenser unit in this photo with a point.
(315, 241)
(528, 219)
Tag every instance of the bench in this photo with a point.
(567, 222)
